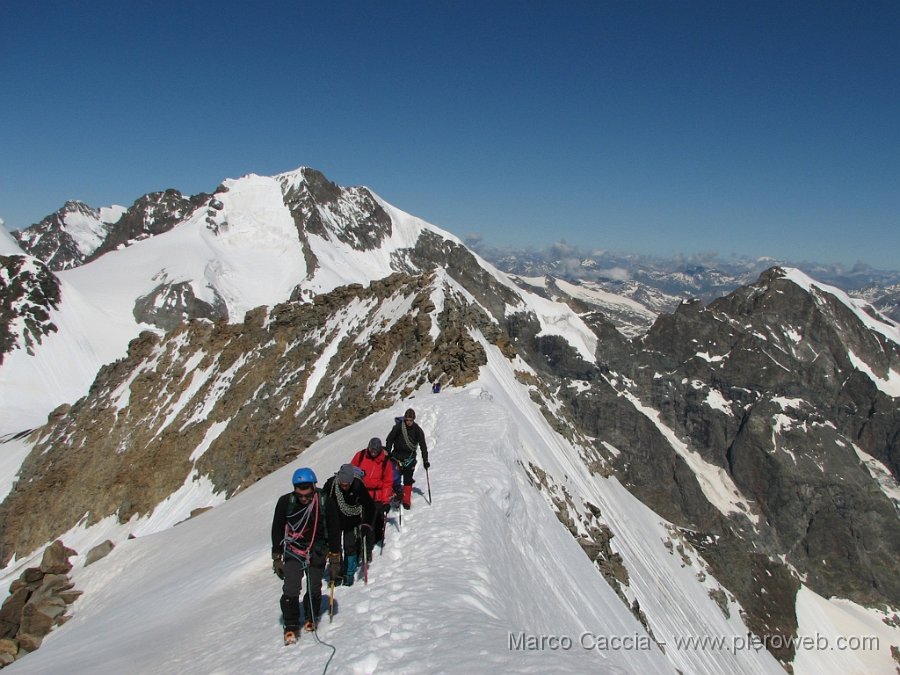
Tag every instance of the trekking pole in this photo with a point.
(365, 559)
(330, 593)
(428, 480)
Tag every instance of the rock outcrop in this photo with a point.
(38, 601)
(28, 292)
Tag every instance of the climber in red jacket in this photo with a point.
(378, 477)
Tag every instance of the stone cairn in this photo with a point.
(38, 601)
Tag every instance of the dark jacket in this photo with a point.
(295, 527)
(402, 446)
(337, 520)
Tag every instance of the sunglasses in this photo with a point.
(305, 495)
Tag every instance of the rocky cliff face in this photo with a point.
(28, 292)
(349, 215)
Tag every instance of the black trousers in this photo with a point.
(351, 539)
(294, 574)
(406, 473)
(377, 536)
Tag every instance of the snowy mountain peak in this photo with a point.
(300, 175)
(66, 238)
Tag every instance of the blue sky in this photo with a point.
(752, 128)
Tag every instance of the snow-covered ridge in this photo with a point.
(888, 384)
(886, 327)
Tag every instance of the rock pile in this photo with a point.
(38, 601)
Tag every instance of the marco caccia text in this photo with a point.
(527, 642)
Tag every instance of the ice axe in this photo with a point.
(428, 480)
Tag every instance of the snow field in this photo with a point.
(486, 559)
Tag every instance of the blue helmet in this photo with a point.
(304, 475)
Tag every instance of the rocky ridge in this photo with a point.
(230, 403)
(77, 233)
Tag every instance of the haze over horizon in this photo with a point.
(653, 128)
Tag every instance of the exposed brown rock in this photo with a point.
(101, 550)
(56, 559)
(37, 602)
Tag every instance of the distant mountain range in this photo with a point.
(660, 284)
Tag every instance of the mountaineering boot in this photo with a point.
(310, 626)
(407, 496)
(290, 637)
(352, 562)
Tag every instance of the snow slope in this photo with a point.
(464, 581)
(66, 363)
(8, 245)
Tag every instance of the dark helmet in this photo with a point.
(374, 447)
(304, 475)
(410, 414)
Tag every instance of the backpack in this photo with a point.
(387, 464)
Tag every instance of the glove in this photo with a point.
(385, 508)
(334, 558)
(426, 464)
(278, 566)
